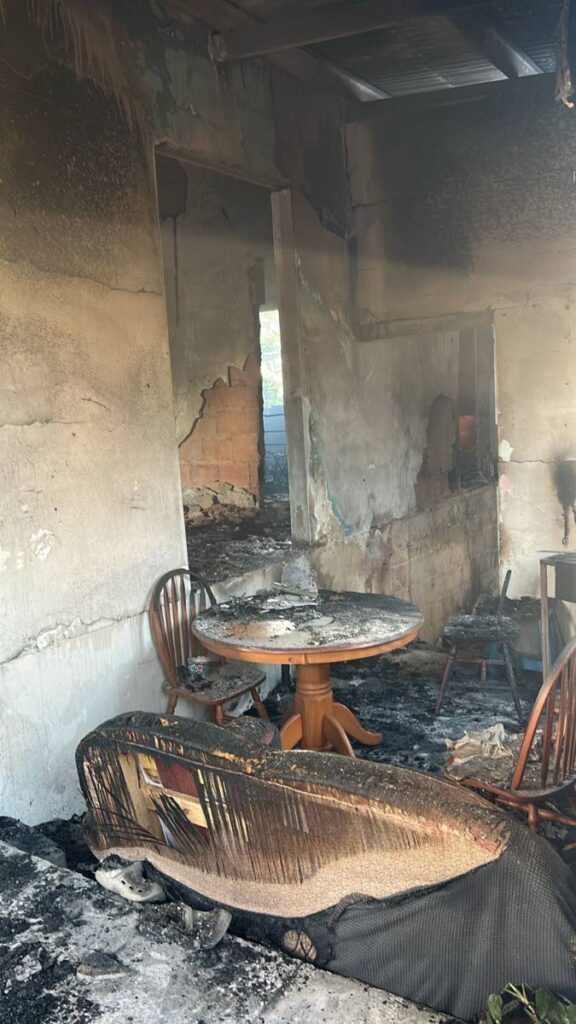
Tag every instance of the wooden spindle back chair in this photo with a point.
(178, 596)
(550, 740)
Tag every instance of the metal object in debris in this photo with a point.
(199, 667)
(565, 590)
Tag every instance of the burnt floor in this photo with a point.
(395, 694)
(227, 550)
(71, 953)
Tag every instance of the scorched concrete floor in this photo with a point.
(53, 922)
(396, 694)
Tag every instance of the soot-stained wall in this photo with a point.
(365, 410)
(90, 492)
(91, 498)
(472, 209)
(217, 242)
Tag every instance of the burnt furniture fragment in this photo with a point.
(372, 871)
(465, 631)
(173, 608)
(546, 766)
(311, 631)
(564, 565)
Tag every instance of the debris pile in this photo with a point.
(226, 550)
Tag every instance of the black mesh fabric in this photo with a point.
(447, 946)
(451, 946)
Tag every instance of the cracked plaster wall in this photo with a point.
(90, 502)
(473, 208)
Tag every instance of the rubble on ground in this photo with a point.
(226, 550)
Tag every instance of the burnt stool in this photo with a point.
(464, 631)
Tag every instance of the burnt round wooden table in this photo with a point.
(311, 632)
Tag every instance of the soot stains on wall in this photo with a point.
(436, 476)
(217, 239)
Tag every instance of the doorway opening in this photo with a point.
(225, 352)
(275, 480)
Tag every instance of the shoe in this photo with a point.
(126, 878)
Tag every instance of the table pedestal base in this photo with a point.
(317, 721)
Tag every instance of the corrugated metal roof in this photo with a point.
(429, 53)
(415, 57)
(432, 53)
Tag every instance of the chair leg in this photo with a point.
(258, 703)
(172, 702)
(509, 667)
(445, 679)
(533, 817)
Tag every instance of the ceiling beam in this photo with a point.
(495, 43)
(310, 68)
(329, 21)
(419, 102)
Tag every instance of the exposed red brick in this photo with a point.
(237, 474)
(223, 446)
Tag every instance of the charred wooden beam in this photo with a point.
(317, 72)
(330, 21)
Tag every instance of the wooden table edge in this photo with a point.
(303, 655)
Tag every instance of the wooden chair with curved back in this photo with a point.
(178, 596)
(546, 764)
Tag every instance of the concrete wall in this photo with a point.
(472, 209)
(215, 251)
(90, 494)
(364, 410)
(90, 498)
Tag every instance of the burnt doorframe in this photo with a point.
(294, 372)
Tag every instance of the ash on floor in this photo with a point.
(395, 694)
(226, 550)
(71, 953)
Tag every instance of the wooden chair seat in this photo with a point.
(545, 768)
(254, 730)
(495, 777)
(222, 683)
